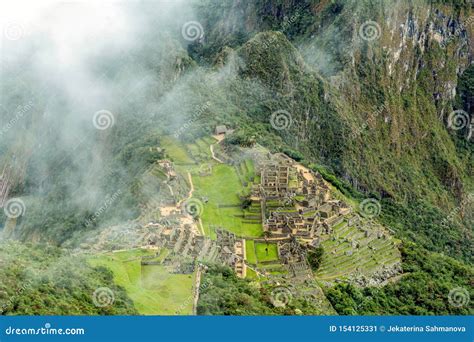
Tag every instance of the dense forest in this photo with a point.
(43, 280)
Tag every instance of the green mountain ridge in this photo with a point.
(372, 114)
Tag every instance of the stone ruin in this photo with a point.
(380, 277)
(232, 251)
(293, 257)
(185, 248)
(284, 180)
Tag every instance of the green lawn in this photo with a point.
(221, 188)
(251, 274)
(153, 289)
(250, 252)
(250, 168)
(266, 252)
(176, 151)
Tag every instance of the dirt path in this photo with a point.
(196, 290)
(191, 190)
(211, 147)
(190, 178)
(171, 189)
(190, 194)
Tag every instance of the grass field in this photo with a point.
(251, 274)
(266, 252)
(250, 252)
(221, 189)
(200, 149)
(176, 151)
(223, 208)
(153, 289)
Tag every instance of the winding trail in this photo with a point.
(211, 147)
(190, 195)
(170, 188)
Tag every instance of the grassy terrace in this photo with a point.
(152, 288)
(199, 150)
(176, 151)
(371, 255)
(266, 251)
(223, 208)
(221, 188)
(257, 253)
(250, 252)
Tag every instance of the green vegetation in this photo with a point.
(153, 289)
(250, 252)
(199, 149)
(176, 151)
(223, 208)
(428, 227)
(340, 258)
(373, 125)
(41, 280)
(315, 257)
(423, 290)
(266, 251)
(226, 294)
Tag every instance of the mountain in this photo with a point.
(375, 96)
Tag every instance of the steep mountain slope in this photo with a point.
(369, 93)
(378, 116)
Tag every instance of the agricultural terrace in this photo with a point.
(340, 259)
(218, 186)
(153, 289)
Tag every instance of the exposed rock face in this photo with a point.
(385, 81)
(369, 86)
(401, 87)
